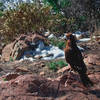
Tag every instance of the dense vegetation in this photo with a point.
(56, 42)
(57, 16)
(84, 12)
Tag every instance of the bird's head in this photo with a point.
(71, 38)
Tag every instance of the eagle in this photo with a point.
(74, 58)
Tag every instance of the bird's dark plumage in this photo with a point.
(74, 57)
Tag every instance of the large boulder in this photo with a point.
(6, 52)
(16, 49)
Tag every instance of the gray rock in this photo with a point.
(81, 49)
(54, 53)
(41, 45)
(22, 46)
(37, 57)
(47, 34)
(51, 36)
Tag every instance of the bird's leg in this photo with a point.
(66, 83)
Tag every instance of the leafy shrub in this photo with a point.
(78, 11)
(61, 63)
(61, 45)
(11, 59)
(55, 65)
(4, 79)
(57, 42)
(1, 13)
(26, 18)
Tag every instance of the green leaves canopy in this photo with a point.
(58, 5)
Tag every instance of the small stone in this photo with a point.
(62, 70)
(21, 69)
(51, 36)
(47, 34)
(11, 76)
(42, 65)
(37, 57)
(49, 55)
(42, 73)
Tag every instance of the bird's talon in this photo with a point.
(66, 84)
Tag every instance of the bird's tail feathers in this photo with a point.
(85, 80)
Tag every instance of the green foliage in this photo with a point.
(83, 18)
(26, 18)
(11, 59)
(65, 3)
(1, 13)
(61, 45)
(83, 12)
(54, 41)
(1, 4)
(57, 42)
(4, 79)
(61, 63)
(52, 3)
(72, 18)
(55, 65)
(58, 5)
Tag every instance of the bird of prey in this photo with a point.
(74, 58)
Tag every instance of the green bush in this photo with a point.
(1, 13)
(27, 18)
(4, 79)
(56, 42)
(55, 65)
(61, 45)
(61, 63)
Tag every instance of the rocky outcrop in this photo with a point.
(16, 49)
(6, 52)
(31, 47)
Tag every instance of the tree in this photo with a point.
(71, 9)
(84, 12)
(92, 9)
